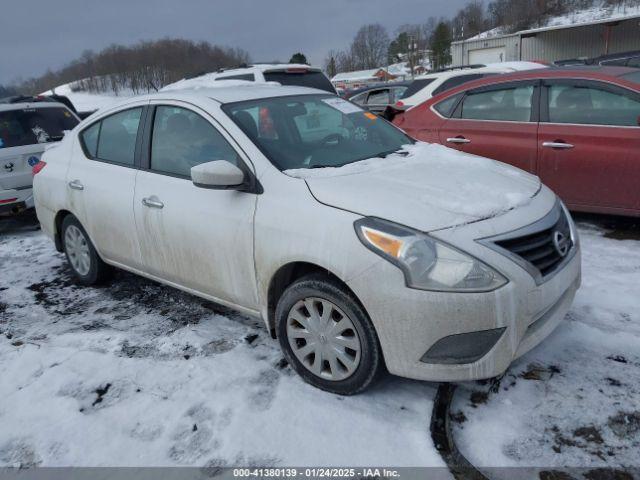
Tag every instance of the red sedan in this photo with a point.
(577, 128)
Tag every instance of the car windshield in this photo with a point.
(313, 131)
(27, 126)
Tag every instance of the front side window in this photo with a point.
(28, 126)
(313, 131)
(507, 104)
(590, 105)
(379, 97)
(360, 99)
(183, 139)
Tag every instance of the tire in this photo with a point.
(302, 305)
(85, 263)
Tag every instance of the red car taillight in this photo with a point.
(8, 200)
(38, 167)
(399, 103)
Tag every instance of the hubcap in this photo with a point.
(323, 338)
(77, 249)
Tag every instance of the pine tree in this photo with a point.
(441, 46)
(298, 58)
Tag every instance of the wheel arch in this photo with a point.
(286, 275)
(57, 235)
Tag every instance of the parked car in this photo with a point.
(622, 59)
(285, 74)
(426, 86)
(441, 265)
(576, 128)
(378, 98)
(27, 126)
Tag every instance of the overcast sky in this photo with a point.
(36, 34)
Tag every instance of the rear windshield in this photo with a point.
(301, 79)
(416, 86)
(28, 126)
(632, 77)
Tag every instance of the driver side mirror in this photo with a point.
(218, 175)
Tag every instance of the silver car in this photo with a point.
(26, 128)
(358, 247)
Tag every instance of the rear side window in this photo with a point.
(592, 106)
(183, 139)
(113, 138)
(301, 79)
(456, 81)
(246, 76)
(29, 126)
(416, 86)
(508, 104)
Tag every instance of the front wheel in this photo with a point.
(327, 337)
(85, 263)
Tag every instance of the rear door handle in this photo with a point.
(458, 140)
(76, 185)
(559, 145)
(152, 202)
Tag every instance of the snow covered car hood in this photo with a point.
(431, 188)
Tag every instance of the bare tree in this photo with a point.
(369, 47)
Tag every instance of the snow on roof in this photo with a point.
(358, 75)
(579, 18)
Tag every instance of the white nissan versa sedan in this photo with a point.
(355, 244)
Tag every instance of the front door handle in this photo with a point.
(76, 185)
(152, 202)
(458, 140)
(557, 144)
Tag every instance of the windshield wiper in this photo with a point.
(399, 151)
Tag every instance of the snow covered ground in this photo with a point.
(574, 400)
(137, 374)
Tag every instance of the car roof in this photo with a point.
(238, 92)
(6, 107)
(463, 71)
(265, 67)
(378, 86)
(589, 72)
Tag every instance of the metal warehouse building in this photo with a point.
(582, 40)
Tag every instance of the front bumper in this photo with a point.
(410, 322)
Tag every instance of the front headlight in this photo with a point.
(427, 263)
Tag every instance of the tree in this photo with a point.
(330, 64)
(369, 47)
(298, 58)
(398, 47)
(441, 45)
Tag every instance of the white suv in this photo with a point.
(285, 74)
(426, 86)
(357, 246)
(26, 128)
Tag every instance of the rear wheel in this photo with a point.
(326, 336)
(83, 259)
